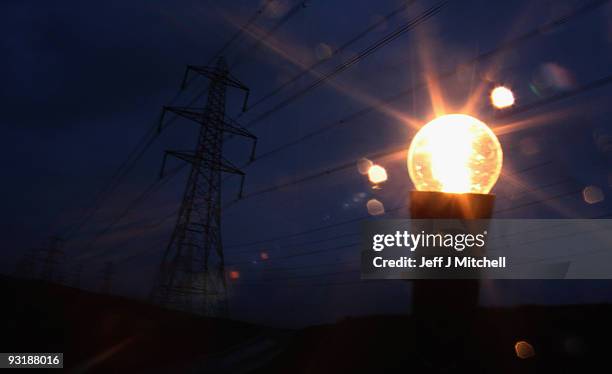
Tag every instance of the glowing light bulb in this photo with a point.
(502, 97)
(377, 174)
(455, 153)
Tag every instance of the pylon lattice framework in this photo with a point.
(192, 275)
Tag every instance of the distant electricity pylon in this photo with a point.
(192, 274)
(27, 265)
(107, 277)
(52, 260)
(77, 271)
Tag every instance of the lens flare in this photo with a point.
(524, 350)
(377, 174)
(455, 153)
(375, 207)
(234, 275)
(363, 165)
(592, 195)
(502, 97)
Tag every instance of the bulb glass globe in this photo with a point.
(455, 153)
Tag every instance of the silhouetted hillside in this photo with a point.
(106, 333)
(565, 339)
(101, 333)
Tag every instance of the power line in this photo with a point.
(534, 105)
(240, 32)
(143, 196)
(129, 164)
(150, 136)
(304, 253)
(114, 181)
(565, 194)
(356, 244)
(257, 45)
(290, 268)
(362, 282)
(512, 43)
(596, 84)
(341, 223)
(578, 90)
(126, 167)
(362, 218)
(353, 234)
(304, 244)
(309, 276)
(335, 52)
(363, 54)
(504, 47)
(556, 257)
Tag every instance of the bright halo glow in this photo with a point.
(502, 97)
(455, 153)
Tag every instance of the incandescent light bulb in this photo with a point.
(455, 153)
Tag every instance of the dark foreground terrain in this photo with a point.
(100, 333)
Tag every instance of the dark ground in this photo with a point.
(100, 333)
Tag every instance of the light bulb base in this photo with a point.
(434, 301)
(444, 205)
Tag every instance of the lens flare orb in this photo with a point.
(502, 97)
(455, 153)
(234, 275)
(377, 174)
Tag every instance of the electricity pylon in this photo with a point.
(27, 265)
(192, 275)
(77, 271)
(107, 277)
(52, 261)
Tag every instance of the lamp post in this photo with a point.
(453, 161)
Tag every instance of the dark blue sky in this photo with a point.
(82, 82)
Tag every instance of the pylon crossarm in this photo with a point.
(185, 156)
(228, 167)
(185, 78)
(246, 99)
(163, 165)
(221, 76)
(160, 125)
(241, 186)
(252, 157)
(210, 73)
(194, 114)
(178, 154)
(217, 74)
(201, 224)
(224, 166)
(234, 127)
(234, 82)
